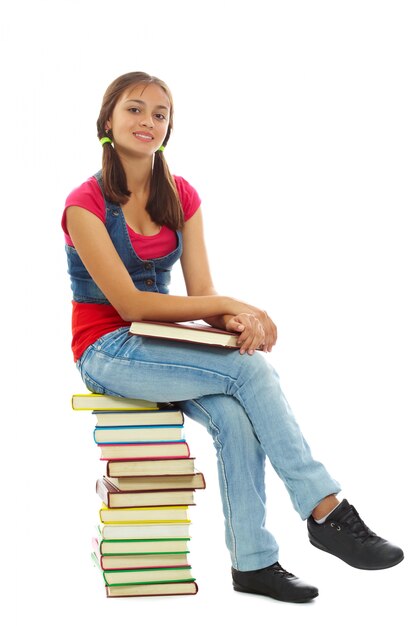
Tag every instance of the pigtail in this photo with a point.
(114, 177)
(164, 205)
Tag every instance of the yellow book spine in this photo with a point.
(133, 520)
(91, 396)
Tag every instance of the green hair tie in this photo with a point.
(104, 140)
(161, 149)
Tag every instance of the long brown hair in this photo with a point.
(163, 205)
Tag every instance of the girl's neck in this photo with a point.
(138, 174)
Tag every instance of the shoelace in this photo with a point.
(277, 569)
(355, 524)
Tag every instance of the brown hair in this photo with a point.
(163, 205)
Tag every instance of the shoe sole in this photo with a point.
(318, 545)
(267, 595)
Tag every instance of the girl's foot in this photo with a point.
(345, 535)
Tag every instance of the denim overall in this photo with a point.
(237, 398)
(147, 275)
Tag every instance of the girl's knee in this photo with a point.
(256, 365)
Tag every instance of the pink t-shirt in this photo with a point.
(89, 196)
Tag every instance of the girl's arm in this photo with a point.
(92, 242)
(195, 265)
(255, 326)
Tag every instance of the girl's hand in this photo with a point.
(252, 332)
(270, 329)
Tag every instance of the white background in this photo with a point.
(296, 123)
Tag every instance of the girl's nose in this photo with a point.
(147, 121)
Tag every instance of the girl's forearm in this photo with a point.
(166, 308)
(218, 321)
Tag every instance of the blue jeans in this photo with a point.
(238, 398)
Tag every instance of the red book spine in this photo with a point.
(184, 444)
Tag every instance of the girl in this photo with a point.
(125, 227)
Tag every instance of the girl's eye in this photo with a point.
(160, 116)
(134, 110)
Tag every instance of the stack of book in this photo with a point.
(149, 479)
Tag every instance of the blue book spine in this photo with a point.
(137, 429)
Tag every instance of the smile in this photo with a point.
(143, 136)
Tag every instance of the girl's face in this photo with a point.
(140, 119)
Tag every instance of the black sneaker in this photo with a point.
(345, 535)
(275, 582)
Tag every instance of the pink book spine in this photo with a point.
(184, 444)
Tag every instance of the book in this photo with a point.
(143, 561)
(144, 576)
(143, 515)
(159, 530)
(194, 332)
(139, 561)
(152, 467)
(157, 483)
(98, 401)
(143, 546)
(139, 418)
(167, 449)
(137, 434)
(115, 498)
(154, 589)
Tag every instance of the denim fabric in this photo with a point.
(238, 398)
(147, 275)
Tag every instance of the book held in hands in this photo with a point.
(194, 332)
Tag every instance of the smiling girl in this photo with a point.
(125, 227)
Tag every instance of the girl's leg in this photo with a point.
(132, 366)
(241, 463)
